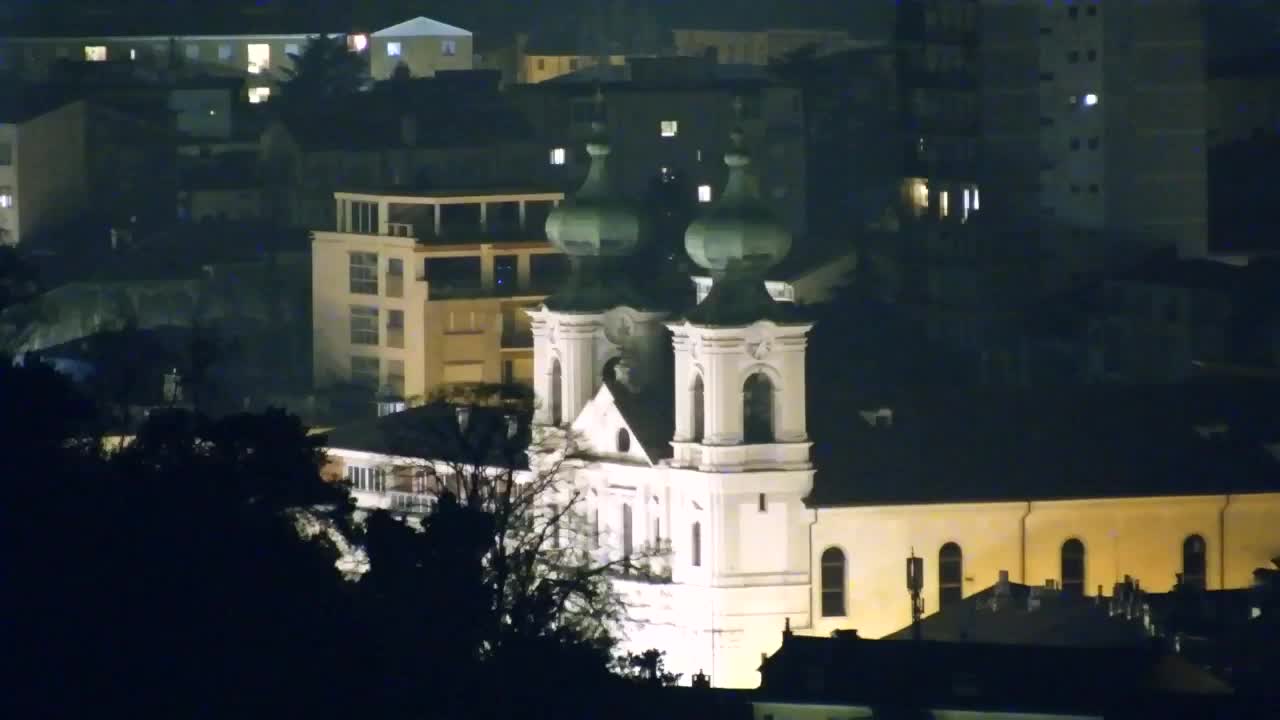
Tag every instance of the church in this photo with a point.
(695, 439)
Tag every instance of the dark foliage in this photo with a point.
(192, 573)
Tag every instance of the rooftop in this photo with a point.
(438, 431)
(18, 105)
(422, 27)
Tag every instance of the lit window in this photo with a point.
(133, 53)
(557, 156)
(669, 128)
(699, 156)
(291, 49)
(704, 193)
(363, 273)
(976, 206)
(943, 206)
(365, 371)
(1090, 100)
(357, 43)
(6, 197)
(224, 52)
(259, 57)
(918, 195)
(193, 52)
(448, 47)
(259, 94)
(968, 200)
(95, 53)
(393, 49)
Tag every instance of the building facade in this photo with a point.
(703, 449)
(756, 47)
(1081, 144)
(44, 176)
(417, 290)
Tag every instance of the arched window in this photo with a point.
(833, 570)
(1073, 567)
(557, 402)
(695, 551)
(1193, 562)
(757, 409)
(626, 531)
(624, 440)
(699, 409)
(950, 575)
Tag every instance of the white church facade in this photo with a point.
(695, 439)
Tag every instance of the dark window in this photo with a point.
(6, 153)
(1093, 143)
(1092, 55)
(762, 503)
(1046, 31)
(950, 575)
(504, 274)
(1093, 189)
(698, 409)
(624, 440)
(1075, 143)
(695, 552)
(833, 571)
(626, 531)
(1193, 562)
(1073, 567)
(453, 277)
(364, 372)
(1046, 76)
(1073, 56)
(1073, 12)
(757, 409)
(508, 372)
(1075, 189)
(557, 409)
(362, 273)
(364, 325)
(1092, 11)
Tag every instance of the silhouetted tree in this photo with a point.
(323, 72)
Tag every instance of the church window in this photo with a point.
(1073, 567)
(595, 529)
(833, 572)
(557, 408)
(699, 409)
(950, 575)
(757, 409)
(1193, 562)
(657, 531)
(624, 440)
(695, 552)
(626, 531)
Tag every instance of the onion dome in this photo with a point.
(737, 233)
(596, 221)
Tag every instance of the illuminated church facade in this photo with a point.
(696, 439)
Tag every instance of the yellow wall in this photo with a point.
(423, 55)
(1139, 537)
(537, 68)
(48, 175)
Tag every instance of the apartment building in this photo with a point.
(672, 119)
(44, 175)
(418, 290)
(1097, 132)
(261, 56)
(756, 46)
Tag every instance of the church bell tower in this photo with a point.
(739, 355)
(598, 316)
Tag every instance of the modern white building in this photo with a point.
(698, 443)
(43, 171)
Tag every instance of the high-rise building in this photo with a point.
(1095, 126)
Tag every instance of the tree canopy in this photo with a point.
(325, 71)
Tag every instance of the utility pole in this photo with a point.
(915, 586)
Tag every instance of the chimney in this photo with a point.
(1002, 583)
(409, 130)
(786, 628)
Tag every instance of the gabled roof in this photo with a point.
(1012, 613)
(650, 416)
(422, 27)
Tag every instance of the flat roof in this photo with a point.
(450, 196)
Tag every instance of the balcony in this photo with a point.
(418, 503)
(517, 339)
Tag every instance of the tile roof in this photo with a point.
(434, 432)
(1052, 443)
(936, 675)
(1008, 614)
